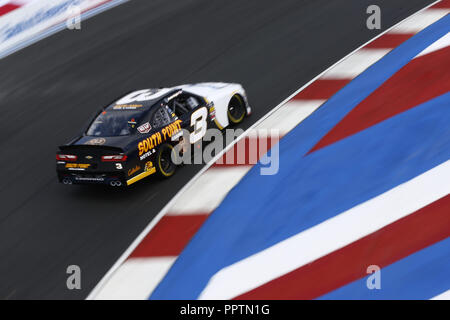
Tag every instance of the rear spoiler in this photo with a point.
(89, 148)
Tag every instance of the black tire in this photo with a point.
(236, 109)
(165, 168)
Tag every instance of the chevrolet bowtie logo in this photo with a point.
(89, 157)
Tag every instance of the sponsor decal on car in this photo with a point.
(96, 142)
(157, 138)
(145, 128)
(134, 170)
(148, 166)
(176, 94)
(171, 129)
(127, 106)
(77, 165)
(212, 113)
(147, 154)
(90, 179)
(149, 143)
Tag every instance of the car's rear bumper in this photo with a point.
(114, 179)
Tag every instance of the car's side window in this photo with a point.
(192, 102)
(161, 118)
(184, 104)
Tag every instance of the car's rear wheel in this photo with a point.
(165, 167)
(236, 109)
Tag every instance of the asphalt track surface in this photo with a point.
(49, 90)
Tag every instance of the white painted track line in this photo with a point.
(289, 115)
(443, 296)
(440, 44)
(141, 275)
(356, 64)
(420, 21)
(208, 191)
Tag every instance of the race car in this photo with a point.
(134, 137)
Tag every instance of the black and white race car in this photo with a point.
(133, 137)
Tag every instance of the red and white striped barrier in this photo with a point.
(7, 6)
(24, 22)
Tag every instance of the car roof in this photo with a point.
(141, 99)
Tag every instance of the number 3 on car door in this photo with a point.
(198, 121)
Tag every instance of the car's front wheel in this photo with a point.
(165, 167)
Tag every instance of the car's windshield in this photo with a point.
(115, 123)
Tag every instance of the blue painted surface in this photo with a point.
(422, 275)
(311, 189)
